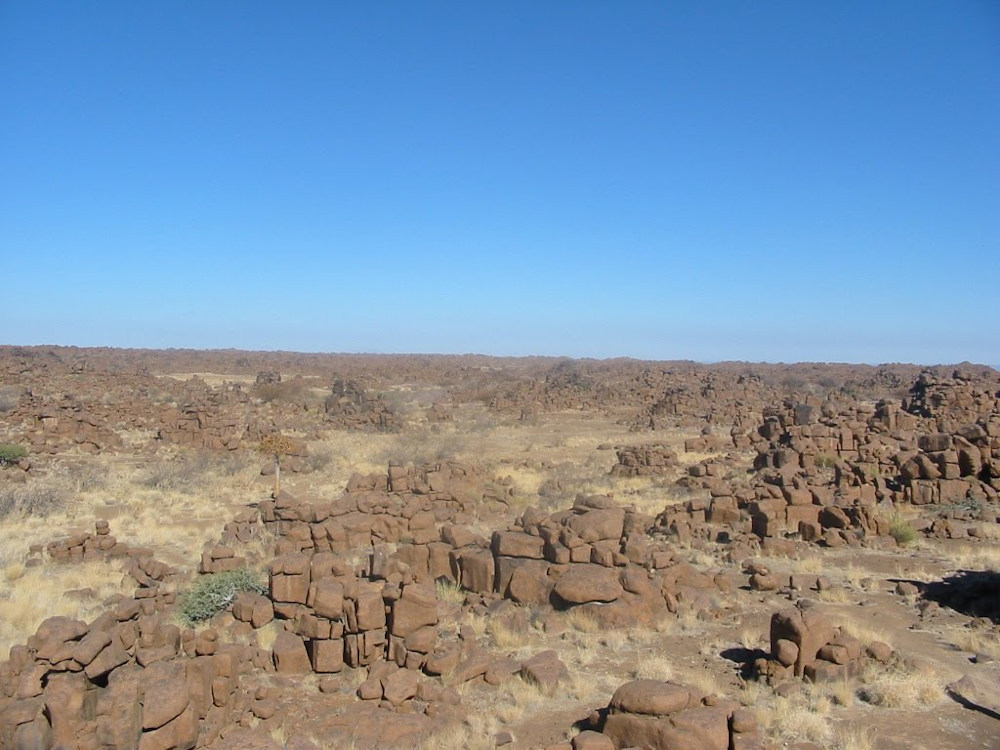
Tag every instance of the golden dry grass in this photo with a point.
(449, 593)
(804, 716)
(212, 379)
(984, 555)
(901, 685)
(974, 641)
(657, 666)
(864, 632)
(581, 621)
(507, 637)
(854, 736)
(475, 732)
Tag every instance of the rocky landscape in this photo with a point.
(228, 549)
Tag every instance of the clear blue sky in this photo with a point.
(775, 181)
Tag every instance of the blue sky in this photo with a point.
(779, 181)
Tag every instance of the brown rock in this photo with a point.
(590, 740)
(400, 686)
(517, 544)
(326, 597)
(545, 669)
(476, 570)
(289, 654)
(588, 583)
(165, 693)
(415, 609)
(652, 697)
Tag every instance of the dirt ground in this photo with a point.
(175, 500)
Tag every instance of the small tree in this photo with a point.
(276, 445)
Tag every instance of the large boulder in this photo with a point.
(586, 582)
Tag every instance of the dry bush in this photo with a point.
(186, 473)
(33, 499)
(295, 391)
(654, 666)
(10, 398)
(475, 732)
(977, 556)
(865, 633)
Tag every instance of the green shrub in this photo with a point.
(11, 453)
(212, 593)
(901, 529)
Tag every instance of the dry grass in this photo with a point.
(508, 638)
(864, 632)
(838, 595)
(854, 737)
(475, 732)
(581, 621)
(449, 593)
(901, 685)
(976, 556)
(32, 594)
(811, 565)
(655, 666)
(801, 717)
(975, 641)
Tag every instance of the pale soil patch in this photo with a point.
(213, 379)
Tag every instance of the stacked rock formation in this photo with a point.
(804, 644)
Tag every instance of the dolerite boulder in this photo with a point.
(290, 656)
(595, 525)
(651, 697)
(666, 716)
(545, 669)
(416, 608)
(585, 583)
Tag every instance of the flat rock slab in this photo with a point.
(586, 583)
(981, 692)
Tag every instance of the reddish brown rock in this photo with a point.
(588, 583)
(289, 654)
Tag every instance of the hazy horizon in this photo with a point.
(767, 182)
(557, 357)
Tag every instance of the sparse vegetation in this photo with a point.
(11, 453)
(902, 529)
(30, 500)
(10, 398)
(901, 685)
(174, 500)
(449, 592)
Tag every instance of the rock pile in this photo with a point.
(650, 459)
(350, 406)
(128, 679)
(669, 716)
